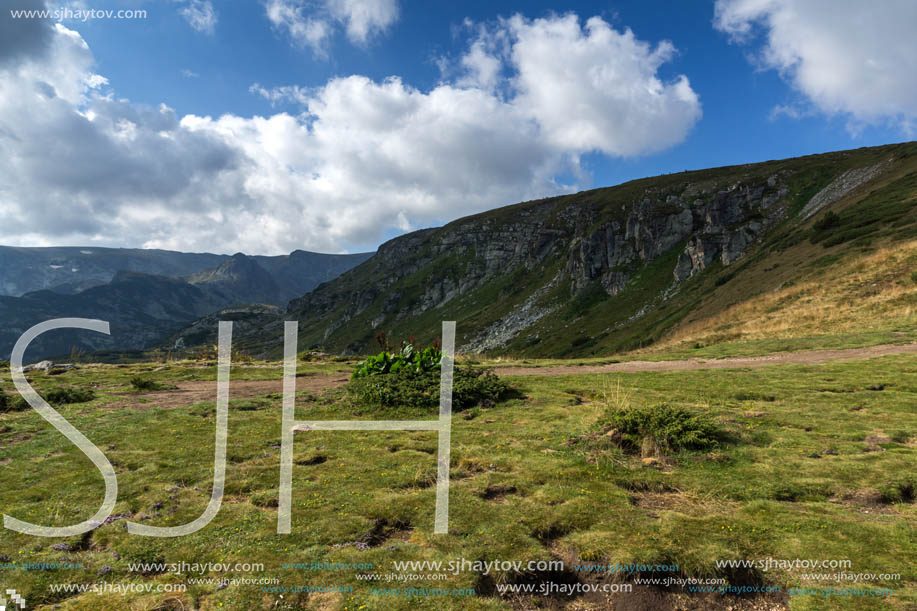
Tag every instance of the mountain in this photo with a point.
(145, 308)
(240, 280)
(69, 270)
(620, 267)
(140, 309)
(301, 271)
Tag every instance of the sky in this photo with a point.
(266, 126)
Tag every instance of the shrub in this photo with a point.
(914, 277)
(667, 427)
(410, 358)
(55, 396)
(69, 395)
(9, 403)
(901, 491)
(471, 387)
(142, 383)
(831, 219)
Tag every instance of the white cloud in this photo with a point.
(364, 18)
(597, 90)
(482, 68)
(200, 15)
(360, 158)
(288, 94)
(304, 31)
(846, 57)
(189, 73)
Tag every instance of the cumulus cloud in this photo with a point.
(200, 15)
(596, 89)
(304, 31)
(845, 56)
(362, 20)
(356, 159)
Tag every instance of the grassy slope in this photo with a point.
(770, 492)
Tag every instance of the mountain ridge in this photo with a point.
(70, 269)
(145, 308)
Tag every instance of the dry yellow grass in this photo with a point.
(865, 294)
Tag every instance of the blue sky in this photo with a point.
(224, 126)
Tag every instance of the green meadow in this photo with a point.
(810, 462)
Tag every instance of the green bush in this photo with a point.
(901, 491)
(831, 219)
(669, 428)
(55, 396)
(409, 359)
(63, 396)
(12, 403)
(141, 383)
(471, 387)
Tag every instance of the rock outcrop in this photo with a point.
(598, 244)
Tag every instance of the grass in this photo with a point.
(870, 295)
(813, 463)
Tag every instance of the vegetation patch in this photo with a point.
(471, 387)
(54, 396)
(411, 359)
(900, 491)
(664, 428)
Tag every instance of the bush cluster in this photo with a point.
(55, 396)
(61, 396)
(471, 387)
(669, 427)
(410, 359)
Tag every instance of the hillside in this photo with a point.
(646, 262)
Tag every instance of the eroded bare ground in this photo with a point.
(808, 357)
(191, 392)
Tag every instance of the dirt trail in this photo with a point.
(206, 390)
(194, 391)
(808, 357)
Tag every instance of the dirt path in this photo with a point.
(808, 357)
(192, 392)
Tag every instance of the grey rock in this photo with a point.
(841, 186)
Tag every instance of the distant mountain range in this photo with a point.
(145, 294)
(69, 270)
